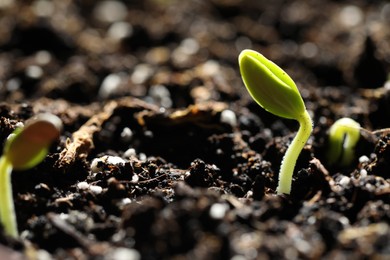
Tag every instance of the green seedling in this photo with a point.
(343, 137)
(274, 90)
(25, 148)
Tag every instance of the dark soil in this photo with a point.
(165, 156)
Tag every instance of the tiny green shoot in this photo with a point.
(25, 148)
(274, 90)
(343, 137)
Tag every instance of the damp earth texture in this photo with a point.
(163, 154)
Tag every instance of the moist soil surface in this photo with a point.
(163, 154)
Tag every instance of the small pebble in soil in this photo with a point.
(98, 163)
(110, 11)
(126, 201)
(344, 181)
(210, 68)
(43, 8)
(142, 157)
(13, 84)
(218, 210)
(160, 95)
(229, 117)
(181, 56)
(364, 159)
(83, 185)
(120, 30)
(134, 178)
(187, 47)
(201, 94)
(238, 257)
(19, 124)
(96, 189)
(109, 85)
(34, 72)
(129, 153)
(158, 55)
(141, 73)
(126, 134)
(351, 15)
(122, 253)
(43, 57)
(363, 173)
(42, 189)
(308, 50)
(42, 254)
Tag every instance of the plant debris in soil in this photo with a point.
(165, 156)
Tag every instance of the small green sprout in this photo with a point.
(274, 90)
(25, 148)
(343, 137)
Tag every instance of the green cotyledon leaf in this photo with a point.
(28, 146)
(270, 86)
(344, 134)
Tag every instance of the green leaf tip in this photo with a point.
(270, 86)
(343, 137)
(28, 146)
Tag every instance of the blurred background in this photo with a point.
(88, 50)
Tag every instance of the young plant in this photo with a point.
(274, 90)
(25, 148)
(343, 137)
